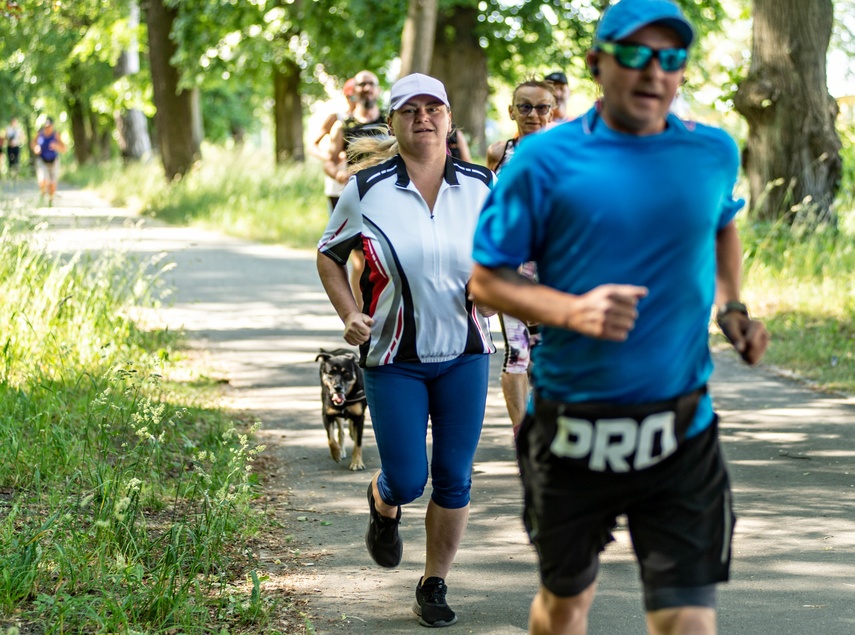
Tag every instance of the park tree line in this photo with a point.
(162, 75)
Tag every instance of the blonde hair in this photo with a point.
(366, 152)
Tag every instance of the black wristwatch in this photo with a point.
(734, 306)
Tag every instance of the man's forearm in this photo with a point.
(728, 265)
(505, 290)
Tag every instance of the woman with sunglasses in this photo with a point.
(531, 109)
(628, 213)
(424, 345)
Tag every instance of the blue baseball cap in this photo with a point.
(626, 17)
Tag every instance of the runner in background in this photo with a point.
(558, 81)
(319, 148)
(365, 121)
(531, 109)
(457, 145)
(47, 149)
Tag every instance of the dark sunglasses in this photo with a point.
(525, 109)
(638, 56)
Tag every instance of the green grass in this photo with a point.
(123, 502)
(240, 192)
(801, 283)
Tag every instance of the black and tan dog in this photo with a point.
(343, 398)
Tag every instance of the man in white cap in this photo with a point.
(628, 214)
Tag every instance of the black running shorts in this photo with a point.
(679, 511)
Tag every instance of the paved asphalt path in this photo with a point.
(258, 315)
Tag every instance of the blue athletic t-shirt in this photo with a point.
(595, 206)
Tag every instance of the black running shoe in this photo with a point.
(382, 539)
(430, 604)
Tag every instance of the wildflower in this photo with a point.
(119, 508)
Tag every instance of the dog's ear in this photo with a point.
(323, 355)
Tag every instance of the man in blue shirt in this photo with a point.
(628, 213)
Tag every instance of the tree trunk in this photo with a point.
(792, 155)
(131, 124)
(179, 148)
(95, 138)
(77, 113)
(418, 36)
(461, 64)
(288, 112)
(29, 159)
(101, 136)
(79, 135)
(238, 133)
(198, 122)
(134, 139)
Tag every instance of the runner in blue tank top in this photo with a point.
(47, 148)
(628, 213)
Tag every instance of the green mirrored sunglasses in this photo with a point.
(638, 56)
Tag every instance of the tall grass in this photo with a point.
(121, 505)
(239, 191)
(800, 280)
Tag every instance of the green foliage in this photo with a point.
(846, 130)
(238, 44)
(55, 54)
(121, 506)
(815, 346)
(230, 113)
(49, 46)
(843, 36)
(349, 36)
(521, 38)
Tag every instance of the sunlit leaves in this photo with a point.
(49, 40)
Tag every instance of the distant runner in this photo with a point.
(47, 149)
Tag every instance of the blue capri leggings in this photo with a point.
(401, 397)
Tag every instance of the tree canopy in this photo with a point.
(257, 63)
(226, 48)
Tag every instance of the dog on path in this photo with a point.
(342, 399)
